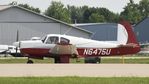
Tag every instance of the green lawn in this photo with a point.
(104, 60)
(74, 80)
(127, 61)
(7, 61)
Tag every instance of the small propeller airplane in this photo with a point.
(9, 49)
(126, 44)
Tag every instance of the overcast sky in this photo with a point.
(113, 5)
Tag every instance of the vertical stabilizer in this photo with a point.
(131, 35)
(122, 35)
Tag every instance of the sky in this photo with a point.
(115, 6)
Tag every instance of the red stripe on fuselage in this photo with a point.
(35, 51)
(108, 51)
(84, 51)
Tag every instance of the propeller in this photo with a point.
(17, 39)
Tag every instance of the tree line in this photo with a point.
(71, 14)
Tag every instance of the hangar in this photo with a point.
(30, 24)
(101, 31)
(142, 30)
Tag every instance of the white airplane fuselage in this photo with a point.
(85, 47)
(125, 44)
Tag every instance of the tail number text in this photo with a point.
(97, 51)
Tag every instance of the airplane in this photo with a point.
(126, 44)
(9, 49)
(144, 48)
(3, 49)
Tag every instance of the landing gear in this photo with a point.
(92, 60)
(29, 61)
(56, 59)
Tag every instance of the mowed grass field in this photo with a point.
(141, 59)
(74, 80)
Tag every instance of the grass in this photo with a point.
(74, 80)
(9, 60)
(127, 61)
(104, 60)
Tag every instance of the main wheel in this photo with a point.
(57, 59)
(92, 60)
(30, 62)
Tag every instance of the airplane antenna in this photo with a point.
(17, 38)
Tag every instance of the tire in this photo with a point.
(92, 60)
(30, 62)
(57, 60)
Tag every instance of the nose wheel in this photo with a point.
(29, 61)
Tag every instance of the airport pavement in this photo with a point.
(83, 70)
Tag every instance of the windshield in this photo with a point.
(52, 40)
(43, 39)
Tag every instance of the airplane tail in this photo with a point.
(127, 38)
(130, 34)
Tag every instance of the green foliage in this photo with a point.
(37, 10)
(133, 12)
(83, 14)
(108, 15)
(13, 3)
(144, 8)
(99, 15)
(136, 12)
(95, 17)
(58, 11)
(74, 80)
(76, 13)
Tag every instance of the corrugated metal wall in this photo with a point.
(142, 31)
(102, 32)
(30, 25)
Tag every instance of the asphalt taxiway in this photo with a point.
(83, 70)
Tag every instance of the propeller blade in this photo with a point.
(17, 39)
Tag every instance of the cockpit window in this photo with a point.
(52, 40)
(64, 41)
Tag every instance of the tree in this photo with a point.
(26, 6)
(76, 13)
(95, 17)
(86, 15)
(30, 7)
(108, 15)
(104, 14)
(144, 8)
(58, 11)
(131, 13)
(13, 3)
